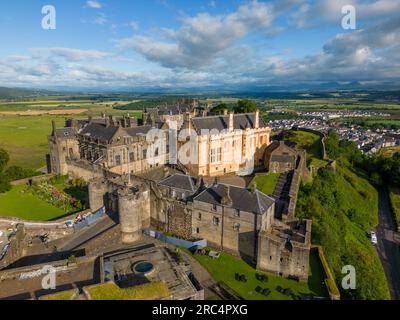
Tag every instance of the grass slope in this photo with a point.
(395, 202)
(344, 207)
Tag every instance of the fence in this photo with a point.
(175, 241)
(90, 219)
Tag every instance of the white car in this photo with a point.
(374, 238)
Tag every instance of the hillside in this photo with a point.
(343, 207)
(18, 93)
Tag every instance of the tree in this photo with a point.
(4, 159)
(219, 108)
(4, 183)
(246, 106)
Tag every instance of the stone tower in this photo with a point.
(134, 212)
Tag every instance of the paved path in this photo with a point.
(388, 249)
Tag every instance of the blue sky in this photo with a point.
(181, 43)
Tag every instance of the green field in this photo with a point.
(59, 104)
(26, 206)
(267, 183)
(25, 138)
(224, 268)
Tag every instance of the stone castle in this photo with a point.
(134, 176)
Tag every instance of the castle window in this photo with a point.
(215, 155)
(199, 216)
(197, 230)
(215, 221)
(214, 207)
(131, 157)
(118, 160)
(236, 227)
(237, 213)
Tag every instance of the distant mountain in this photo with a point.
(18, 93)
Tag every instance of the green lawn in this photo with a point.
(267, 183)
(110, 291)
(64, 295)
(224, 269)
(26, 206)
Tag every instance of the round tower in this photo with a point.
(132, 208)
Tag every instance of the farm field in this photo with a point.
(15, 203)
(25, 137)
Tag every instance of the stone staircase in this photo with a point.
(281, 193)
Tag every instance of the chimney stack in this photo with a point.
(53, 123)
(257, 119)
(230, 123)
(226, 198)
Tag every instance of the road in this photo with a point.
(86, 234)
(388, 249)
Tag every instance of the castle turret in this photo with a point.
(230, 121)
(134, 213)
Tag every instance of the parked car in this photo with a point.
(69, 224)
(374, 238)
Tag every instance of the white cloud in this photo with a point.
(69, 54)
(100, 19)
(134, 25)
(202, 38)
(93, 4)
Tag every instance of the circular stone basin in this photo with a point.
(143, 267)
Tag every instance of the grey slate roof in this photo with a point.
(67, 132)
(220, 122)
(242, 198)
(99, 131)
(282, 158)
(138, 130)
(180, 181)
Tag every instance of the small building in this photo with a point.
(280, 158)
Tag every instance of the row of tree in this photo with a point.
(243, 106)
